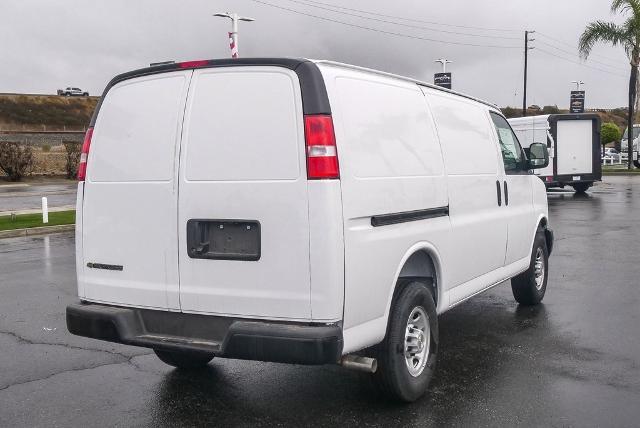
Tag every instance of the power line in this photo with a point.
(573, 47)
(337, 9)
(579, 63)
(576, 55)
(307, 3)
(393, 33)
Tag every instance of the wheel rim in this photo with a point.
(417, 340)
(538, 269)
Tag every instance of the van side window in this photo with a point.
(512, 154)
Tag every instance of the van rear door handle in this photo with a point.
(506, 193)
(499, 193)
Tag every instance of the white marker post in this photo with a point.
(45, 210)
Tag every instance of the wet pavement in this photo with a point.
(20, 197)
(572, 361)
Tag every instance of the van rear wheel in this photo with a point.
(529, 287)
(187, 360)
(407, 356)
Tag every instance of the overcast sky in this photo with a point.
(50, 44)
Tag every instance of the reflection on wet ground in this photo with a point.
(573, 361)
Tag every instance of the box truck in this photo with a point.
(573, 142)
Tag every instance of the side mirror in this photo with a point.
(538, 156)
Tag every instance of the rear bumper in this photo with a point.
(222, 336)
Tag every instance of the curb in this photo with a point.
(36, 231)
(621, 173)
(38, 210)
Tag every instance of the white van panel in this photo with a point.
(135, 134)
(464, 133)
(390, 162)
(479, 228)
(228, 142)
(242, 147)
(383, 140)
(130, 195)
(575, 155)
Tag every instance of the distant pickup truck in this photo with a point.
(70, 92)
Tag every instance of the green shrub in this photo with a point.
(73, 151)
(16, 160)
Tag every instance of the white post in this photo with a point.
(45, 210)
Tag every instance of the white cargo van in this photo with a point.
(573, 142)
(302, 212)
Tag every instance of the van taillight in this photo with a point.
(322, 155)
(86, 144)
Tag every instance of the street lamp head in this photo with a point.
(246, 18)
(222, 15)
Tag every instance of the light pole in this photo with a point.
(444, 63)
(577, 83)
(233, 35)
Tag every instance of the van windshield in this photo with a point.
(636, 132)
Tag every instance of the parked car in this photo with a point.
(299, 211)
(612, 153)
(70, 92)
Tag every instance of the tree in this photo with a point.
(609, 133)
(626, 35)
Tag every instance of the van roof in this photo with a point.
(408, 79)
(307, 70)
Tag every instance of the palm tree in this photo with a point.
(626, 35)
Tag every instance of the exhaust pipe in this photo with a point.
(355, 362)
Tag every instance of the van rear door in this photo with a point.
(129, 222)
(243, 209)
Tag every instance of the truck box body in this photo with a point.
(573, 141)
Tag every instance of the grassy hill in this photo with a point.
(50, 110)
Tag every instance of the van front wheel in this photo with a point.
(407, 356)
(187, 360)
(529, 287)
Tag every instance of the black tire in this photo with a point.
(85, 94)
(526, 290)
(187, 360)
(581, 187)
(392, 376)
(636, 163)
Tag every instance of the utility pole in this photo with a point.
(526, 57)
(233, 35)
(444, 63)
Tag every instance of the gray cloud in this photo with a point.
(50, 44)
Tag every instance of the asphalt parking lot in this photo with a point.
(573, 361)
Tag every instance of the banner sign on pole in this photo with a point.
(442, 79)
(576, 103)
